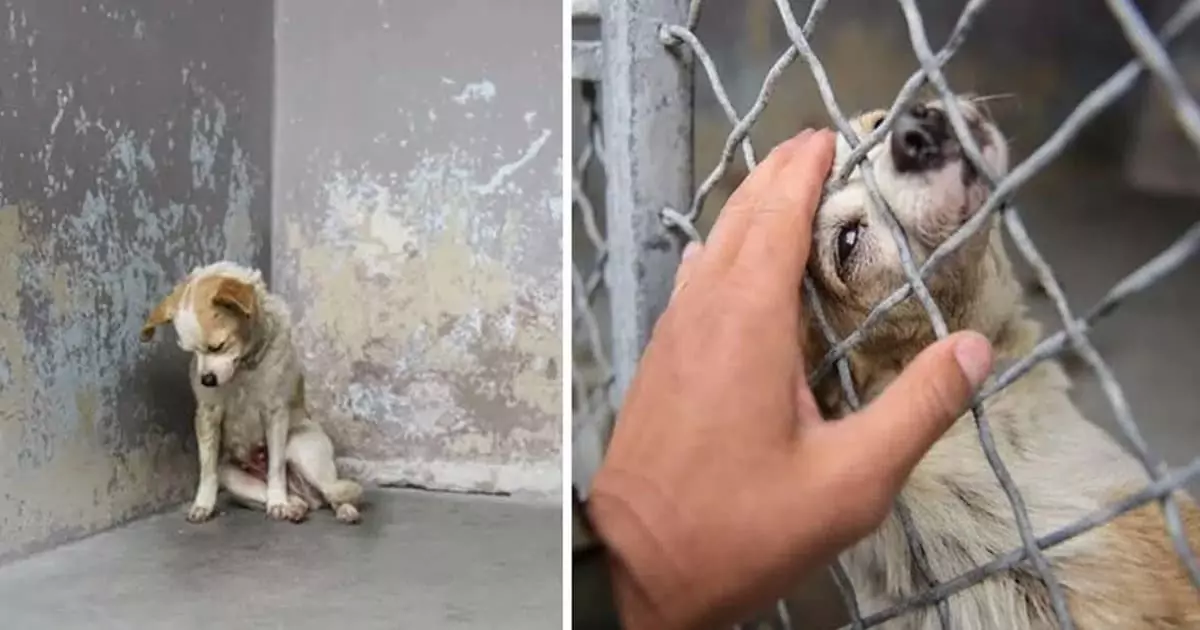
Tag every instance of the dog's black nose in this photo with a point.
(919, 139)
(208, 380)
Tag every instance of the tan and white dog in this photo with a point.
(253, 431)
(1122, 575)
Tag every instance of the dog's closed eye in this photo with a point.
(214, 349)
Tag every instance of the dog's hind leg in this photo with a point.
(251, 492)
(311, 453)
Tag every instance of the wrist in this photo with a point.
(647, 584)
(634, 605)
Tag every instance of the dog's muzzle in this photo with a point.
(919, 140)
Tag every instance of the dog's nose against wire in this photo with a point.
(208, 380)
(918, 138)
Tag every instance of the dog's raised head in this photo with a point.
(932, 188)
(214, 311)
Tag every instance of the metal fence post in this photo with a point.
(647, 107)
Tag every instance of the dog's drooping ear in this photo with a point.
(236, 296)
(164, 312)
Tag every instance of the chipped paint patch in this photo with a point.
(421, 247)
(503, 174)
(429, 303)
(480, 91)
(208, 129)
(94, 425)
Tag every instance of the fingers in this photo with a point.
(896, 430)
(687, 264)
(779, 233)
(725, 238)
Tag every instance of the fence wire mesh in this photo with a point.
(1149, 56)
(592, 376)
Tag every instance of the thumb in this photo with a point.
(897, 429)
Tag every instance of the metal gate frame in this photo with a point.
(646, 140)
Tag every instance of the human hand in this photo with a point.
(722, 485)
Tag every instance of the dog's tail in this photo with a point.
(343, 491)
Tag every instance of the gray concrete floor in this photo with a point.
(418, 560)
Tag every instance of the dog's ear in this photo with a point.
(236, 296)
(164, 312)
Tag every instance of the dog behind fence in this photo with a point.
(650, 201)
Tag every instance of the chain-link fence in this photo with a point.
(631, 152)
(643, 64)
(593, 374)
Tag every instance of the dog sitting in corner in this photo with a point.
(253, 432)
(1124, 574)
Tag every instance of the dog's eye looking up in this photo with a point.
(847, 239)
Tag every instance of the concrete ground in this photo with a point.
(419, 560)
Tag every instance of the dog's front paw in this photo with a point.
(297, 509)
(347, 513)
(278, 511)
(199, 513)
(294, 509)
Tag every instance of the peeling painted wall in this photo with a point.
(417, 234)
(131, 149)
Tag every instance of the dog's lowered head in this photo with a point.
(214, 311)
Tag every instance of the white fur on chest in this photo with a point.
(244, 410)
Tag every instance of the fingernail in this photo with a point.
(690, 249)
(974, 356)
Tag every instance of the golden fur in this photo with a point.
(1123, 575)
(254, 434)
